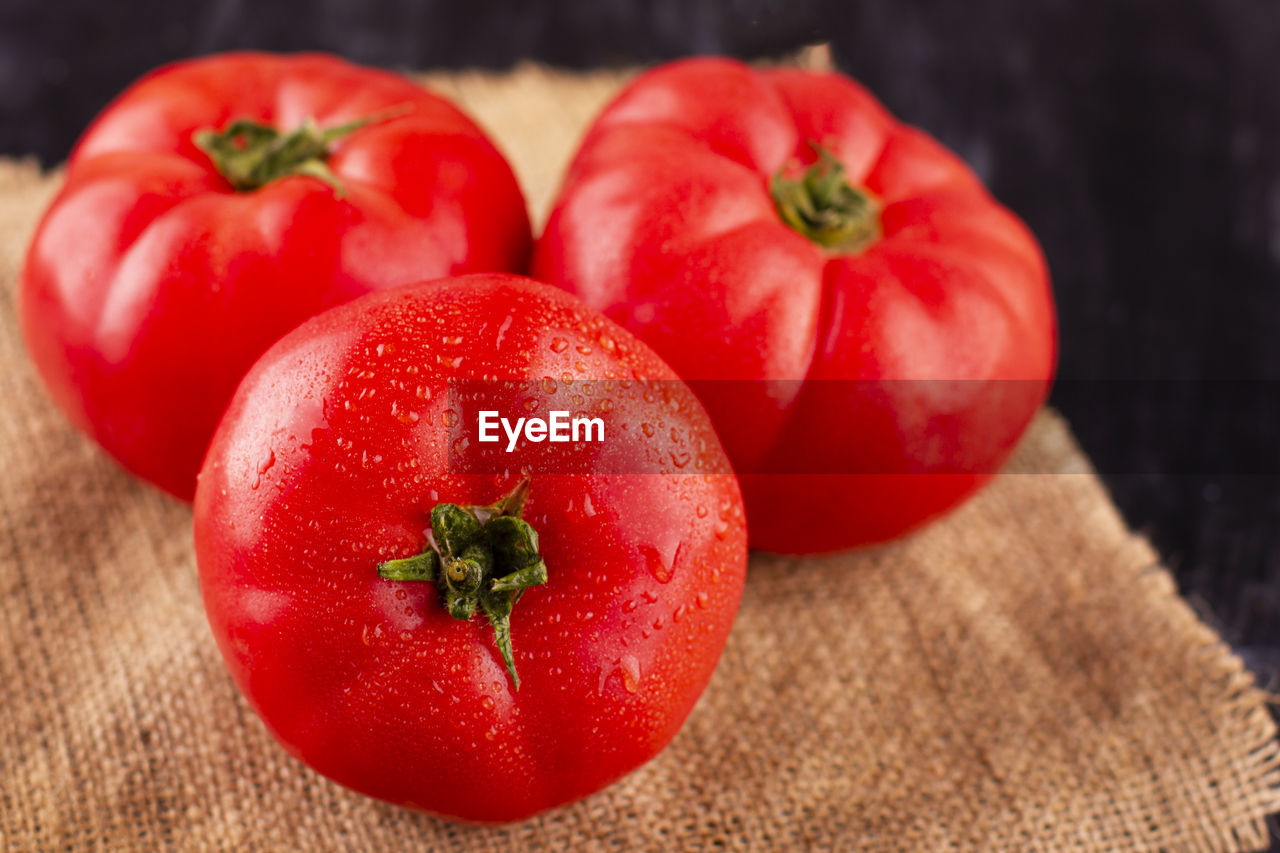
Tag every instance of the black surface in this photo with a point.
(1140, 140)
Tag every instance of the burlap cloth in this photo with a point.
(1021, 676)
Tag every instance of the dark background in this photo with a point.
(1140, 140)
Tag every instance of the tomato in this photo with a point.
(215, 205)
(350, 441)
(874, 331)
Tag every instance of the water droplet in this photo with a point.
(490, 734)
(658, 564)
(701, 600)
(382, 348)
(629, 605)
(630, 669)
(587, 509)
(548, 385)
(452, 340)
(263, 467)
(679, 458)
(584, 349)
(530, 405)
(486, 702)
(450, 418)
(647, 429)
(606, 406)
(702, 511)
(559, 345)
(502, 331)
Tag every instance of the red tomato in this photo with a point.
(338, 448)
(887, 327)
(186, 241)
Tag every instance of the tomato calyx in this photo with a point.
(482, 557)
(251, 155)
(823, 206)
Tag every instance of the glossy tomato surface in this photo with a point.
(152, 283)
(861, 386)
(334, 452)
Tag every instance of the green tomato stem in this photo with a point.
(823, 206)
(483, 558)
(419, 567)
(251, 155)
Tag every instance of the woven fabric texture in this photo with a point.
(1019, 676)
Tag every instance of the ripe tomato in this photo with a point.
(215, 205)
(878, 330)
(342, 457)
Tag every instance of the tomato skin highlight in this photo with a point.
(330, 458)
(151, 285)
(890, 381)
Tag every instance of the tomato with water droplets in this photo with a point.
(477, 635)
